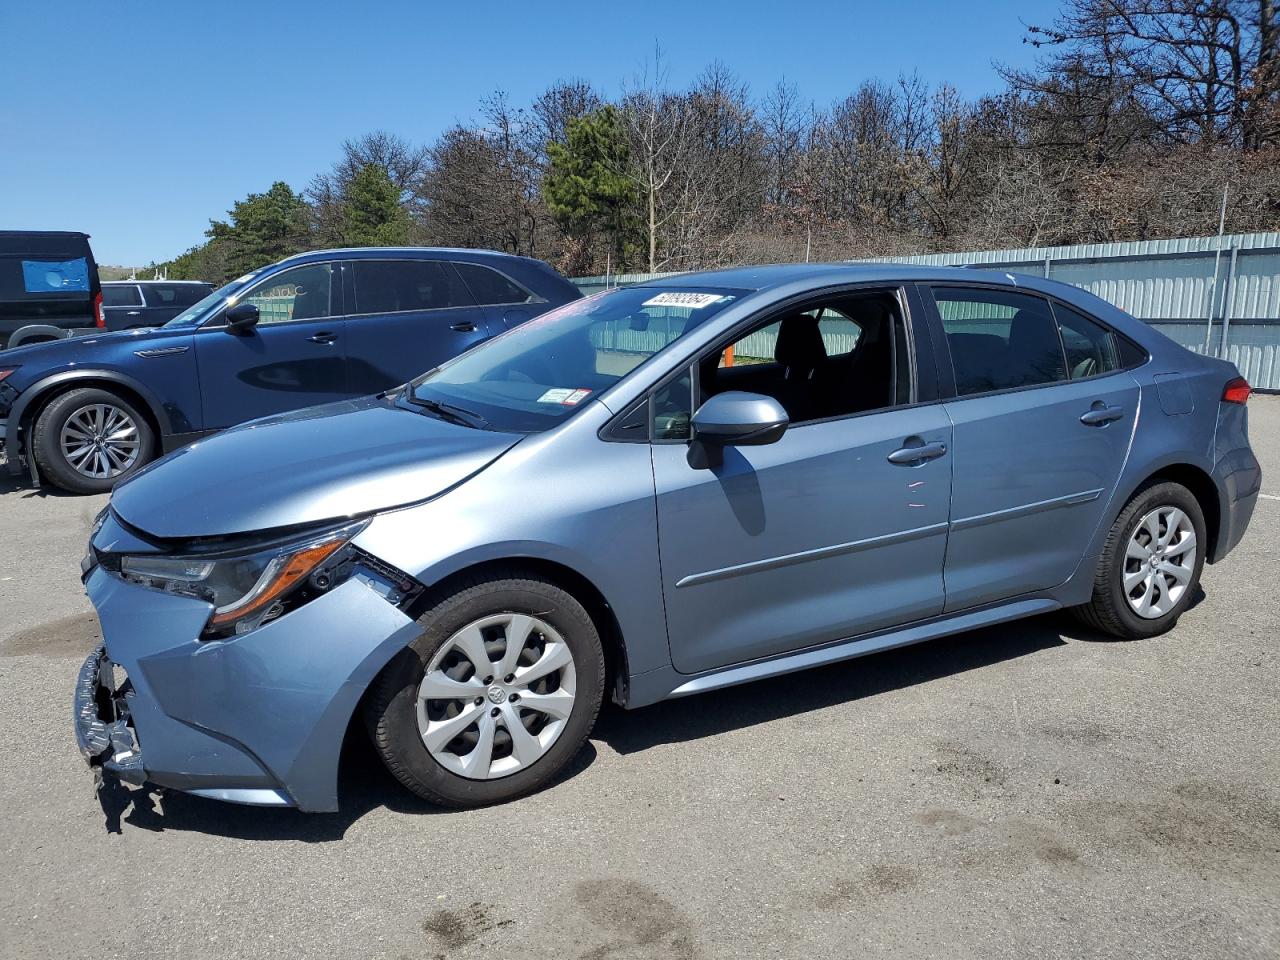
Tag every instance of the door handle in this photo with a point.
(133, 313)
(464, 326)
(323, 337)
(917, 452)
(1100, 414)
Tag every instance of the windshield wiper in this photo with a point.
(447, 411)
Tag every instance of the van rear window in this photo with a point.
(55, 276)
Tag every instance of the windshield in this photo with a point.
(537, 375)
(195, 313)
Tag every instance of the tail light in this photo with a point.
(98, 320)
(1236, 391)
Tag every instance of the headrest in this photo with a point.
(800, 343)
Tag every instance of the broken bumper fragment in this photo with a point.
(104, 732)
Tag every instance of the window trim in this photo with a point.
(217, 320)
(947, 376)
(533, 296)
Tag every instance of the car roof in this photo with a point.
(203, 283)
(426, 253)
(768, 276)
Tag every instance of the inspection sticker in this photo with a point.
(566, 396)
(694, 301)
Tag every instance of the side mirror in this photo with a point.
(740, 419)
(241, 316)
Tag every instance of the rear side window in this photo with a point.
(999, 340)
(489, 287)
(1091, 348)
(174, 294)
(400, 286)
(120, 296)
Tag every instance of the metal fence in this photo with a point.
(1210, 294)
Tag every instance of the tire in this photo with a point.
(134, 440)
(1110, 610)
(396, 716)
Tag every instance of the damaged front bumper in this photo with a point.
(257, 718)
(104, 732)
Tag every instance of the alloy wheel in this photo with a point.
(496, 696)
(100, 441)
(1160, 561)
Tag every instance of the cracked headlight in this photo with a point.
(247, 588)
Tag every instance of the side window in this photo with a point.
(299, 293)
(999, 339)
(173, 294)
(843, 357)
(402, 286)
(125, 295)
(1091, 348)
(490, 288)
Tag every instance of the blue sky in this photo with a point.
(137, 121)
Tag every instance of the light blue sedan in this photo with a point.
(656, 491)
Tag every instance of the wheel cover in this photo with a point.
(496, 696)
(100, 441)
(1159, 562)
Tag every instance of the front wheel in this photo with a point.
(494, 697)
(1150, 566)
(87, 440)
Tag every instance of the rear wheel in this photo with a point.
(88, 440)
(494, 697)
(1150, 567)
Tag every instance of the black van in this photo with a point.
(49, 287)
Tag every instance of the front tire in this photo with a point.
(1150, 566)
(495, 696)
(87, 440)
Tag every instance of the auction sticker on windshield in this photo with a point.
(695, 301)
(566, 396)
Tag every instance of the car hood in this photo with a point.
(86, 349)
(326, 463)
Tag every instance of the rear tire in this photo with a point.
(1145, 578)
(474, 760)
(87, 440)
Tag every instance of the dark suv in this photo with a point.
(312, 329)
(127, 304)
(49, 286)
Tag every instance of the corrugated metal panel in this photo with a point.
(1176, 246)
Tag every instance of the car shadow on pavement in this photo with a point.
(364, 784)
(793, 694)
(23, 486)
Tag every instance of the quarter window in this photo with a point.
(1091, 348)
(402, 286)
(999, 340)
(299, 293)
(120, 296)
(491, 288)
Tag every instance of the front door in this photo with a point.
(1040, 438)
(828, 533)
(295, 356)
(408, 316)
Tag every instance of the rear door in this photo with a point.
(1038, 442)
(506, 302)
(122, 306)
(407, 316)
(294, 357)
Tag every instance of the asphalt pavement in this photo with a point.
(1031, 790)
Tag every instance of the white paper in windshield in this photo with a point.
(677, 298)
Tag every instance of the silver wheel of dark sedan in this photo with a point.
(100, 441)
(496, 696)
(1160, 561)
